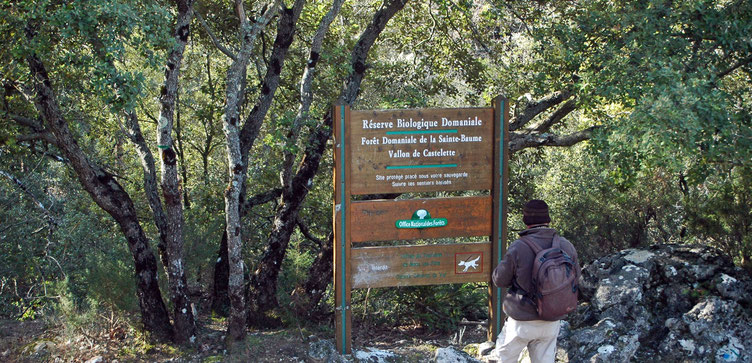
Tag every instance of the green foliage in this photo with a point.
(203, 232)
(600, 214)
(71, 314)
(438, 308)
(674, 66)
(720, 210)
(300, 255)
(111, 281)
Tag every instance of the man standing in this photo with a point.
(524, 327)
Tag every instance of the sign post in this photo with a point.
(342, 244)
(499, 193)
(410, 151)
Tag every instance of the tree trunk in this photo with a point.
(180, 143)
(185, 325)
(238, 147)
(308, 295)
(285, 33)
(235, 89)
(220, 299)
(111, 197)
(306, 93)
(150, 183)
(262, 295)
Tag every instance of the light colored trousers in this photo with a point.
(537, 335)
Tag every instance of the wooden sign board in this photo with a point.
(420, 265)
(398, 151)
(380, 220)
(408, 151)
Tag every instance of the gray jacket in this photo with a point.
(514, 272)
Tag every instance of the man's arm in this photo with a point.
(504, 272)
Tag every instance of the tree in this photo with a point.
(720, 210)
(235, 93)
(101, 184)
(185, 325)
(263, 286)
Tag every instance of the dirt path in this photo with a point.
(35, 341)
(17, 335)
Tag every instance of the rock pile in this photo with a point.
(670, 303)
(663, 303)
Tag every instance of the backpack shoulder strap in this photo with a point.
(556, 242)
(533, 246)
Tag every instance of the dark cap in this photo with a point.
(535, 212)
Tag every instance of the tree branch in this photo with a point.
(214, 38)
(535, 108)
(262, 198)
(557, 116)
(134, 134)
(735, 66)
(306, 94)
(306, 231)
(285, 34)
(240, 12)
(520, 141)
(45, 136)
(50, 219)
(36, 125)
(361, 50)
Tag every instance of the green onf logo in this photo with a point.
(421, 219)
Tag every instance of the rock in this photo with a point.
(324, 351)
(623, 287)
(39, 350)
(731, 288)
(43, 346)
(712, 330)
(97, 359)
(662, 303)
(372, 355)
(485, 348)
(451, 355)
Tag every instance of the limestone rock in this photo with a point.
(451, 355)
(372, 355)
(324, 351)
(485, 348)
(662, 303)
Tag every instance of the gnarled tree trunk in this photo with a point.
(185, 325)
(262, 295)
(234, 96)
(111, 197)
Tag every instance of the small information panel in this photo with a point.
(398, 151)
(420, 265)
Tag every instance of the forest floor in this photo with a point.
(111, 340)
